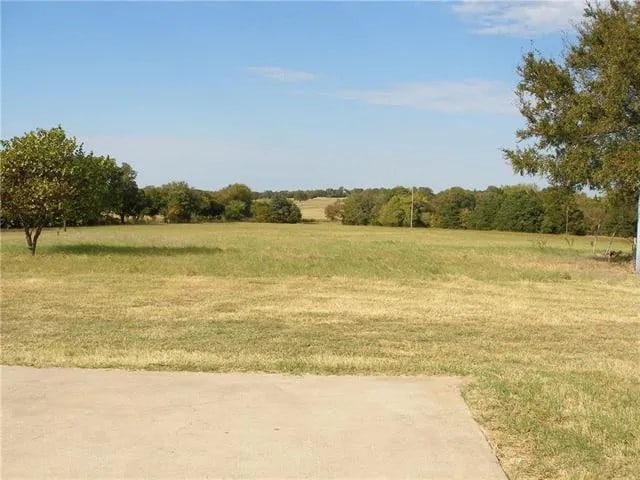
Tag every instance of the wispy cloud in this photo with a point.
(281, 74)
(519, 18)
(471, 96)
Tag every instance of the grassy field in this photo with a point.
(313, 209)
(548, 336)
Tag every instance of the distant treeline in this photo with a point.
(121, 201)
(177, 202)
(301, 195)
(519, 208)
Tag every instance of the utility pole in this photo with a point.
(411, 223)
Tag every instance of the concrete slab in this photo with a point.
(71, 423)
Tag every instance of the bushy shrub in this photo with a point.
(284, 210)
(234, 210)
(361, 208)
(334, 210)
(260, 210)
(278, 210)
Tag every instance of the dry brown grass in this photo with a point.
(313, 209)
(548, 337)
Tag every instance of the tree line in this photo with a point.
(301, 195)
(49, 180)
(517, 208)
(177, 202)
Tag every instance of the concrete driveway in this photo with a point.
(73, 423)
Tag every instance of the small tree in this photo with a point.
(124, 192)
(44, 176)
(182, 202)
(283, 210)
(237, 192)
(277, 210)
(334, 210)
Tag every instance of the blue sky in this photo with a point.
(280, 95)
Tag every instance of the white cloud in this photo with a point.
(461, 97)
(281, 74)
(520, 18)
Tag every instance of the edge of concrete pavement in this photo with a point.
(107, 423)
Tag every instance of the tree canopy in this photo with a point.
(582, 113)
(46, 177)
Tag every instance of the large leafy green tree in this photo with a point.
(487, 206)
(236, 192)
(154, 201)
(283, 210)
(278, 209)
(582, 114)
(182, 202)
(521, 210)
(124, 192)
(397, 211)
(210, 207)
(46, 178)
(453, 207)
(362, 207)
(91, 190)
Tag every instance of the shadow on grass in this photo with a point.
(615, 257)
(143, 250)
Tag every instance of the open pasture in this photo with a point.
(547, 336)
(313, 209)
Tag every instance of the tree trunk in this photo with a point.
(31, 236)
(123, 218)
(29, 239)
(613, 235)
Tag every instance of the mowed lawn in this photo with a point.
(548, 337)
